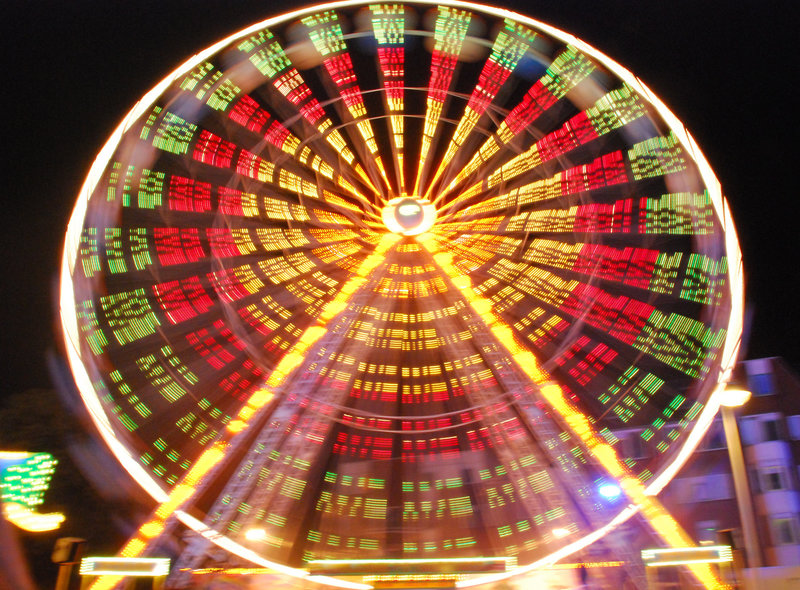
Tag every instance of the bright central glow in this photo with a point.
(409, 216)
(408, 211)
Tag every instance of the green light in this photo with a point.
(24, 479)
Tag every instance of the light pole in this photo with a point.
(733, 397)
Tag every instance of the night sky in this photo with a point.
(71, 71)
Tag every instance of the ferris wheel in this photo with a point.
(409, 280)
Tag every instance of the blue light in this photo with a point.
(609, 491)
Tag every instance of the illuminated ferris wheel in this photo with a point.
(401, 280)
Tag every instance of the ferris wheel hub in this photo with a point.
(409, 216)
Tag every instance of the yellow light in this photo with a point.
(177, 497)
(687, 555)
(105, 583)
(335, 307)
(30, 520)
(246, 412)
(586, 564)
(408, 216)
(461, 282)
(133, 548)
(235, 426)
(314, 333)
(151, 529)
(14, 455)
(734, 396)
(261, 397)
(293, 359)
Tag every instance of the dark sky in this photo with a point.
(72, 69)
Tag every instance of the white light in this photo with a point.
(151, 567)
(609, 491)
(560, 533)
(255, 534)
(409, 209)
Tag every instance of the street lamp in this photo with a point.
(734, 396)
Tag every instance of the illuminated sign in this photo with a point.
(24, 478)
(687, 555)
(125, 566)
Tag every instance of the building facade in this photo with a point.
(702, 496)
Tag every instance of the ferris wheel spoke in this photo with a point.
(510, 45)
(175, 251)
(616, 109)
(266, 54)
(450, 30)
(327, 37)
(388, 26)
(211, 87)
(250, 115)
(644, 161)
(642, 272)
(687, 276)
(174, 135)
(668, 337)
(566, 72)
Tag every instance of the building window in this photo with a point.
(761, 428)
(784, 530)
(793, 422)
(699, 491)
(773, 478)
(748, 430)
(771, 430)
(715, 437)
(773, 481)
(707, 531)
(762, 384)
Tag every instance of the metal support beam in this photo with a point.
(744, 499)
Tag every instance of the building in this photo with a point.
(702, 496)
